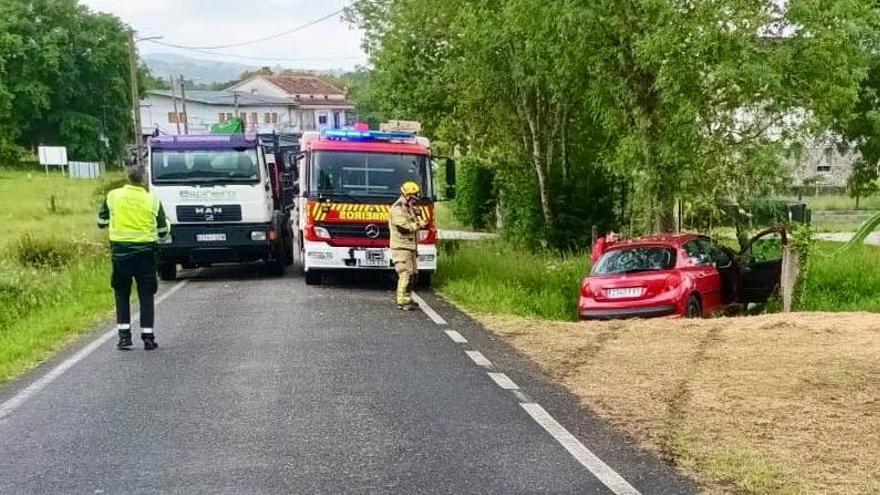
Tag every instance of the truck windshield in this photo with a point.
(365, 174)
(223, 166)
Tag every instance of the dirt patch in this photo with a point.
(769, 404)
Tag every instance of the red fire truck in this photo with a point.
(348, 179)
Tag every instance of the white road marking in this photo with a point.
(34, 388)
(503, 381)
(609, 477)
(521, 396)
(428, 310)
(456, 337)
(479, 358)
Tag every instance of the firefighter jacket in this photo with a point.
(135, 218)
(404, 225)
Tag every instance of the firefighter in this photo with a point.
(136, 221)
(405, 224)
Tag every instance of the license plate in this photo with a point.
(211, 237)
(373, 257)
(624, 293)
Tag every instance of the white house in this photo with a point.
(264, 103)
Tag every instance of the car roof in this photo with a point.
(670, 240)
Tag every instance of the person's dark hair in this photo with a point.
(137, 175)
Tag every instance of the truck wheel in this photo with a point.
(277, 268)
(424, 281)
(313, 278)
(168, 272)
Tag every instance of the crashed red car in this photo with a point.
(683, 275)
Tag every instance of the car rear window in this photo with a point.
(634, 260)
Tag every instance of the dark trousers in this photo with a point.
(141, 269)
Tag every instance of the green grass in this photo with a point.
(54, 273)
(834, 202)
(490, 277)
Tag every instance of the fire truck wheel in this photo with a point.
(424, 280)
(313, 278)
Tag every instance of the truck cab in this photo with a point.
(222, 196)
(349, 179)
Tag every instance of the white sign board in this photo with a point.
(53, 155)
(401, 126)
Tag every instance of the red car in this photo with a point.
(683, 275)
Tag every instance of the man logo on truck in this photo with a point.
(209, 212)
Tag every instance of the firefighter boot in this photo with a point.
(149, 341)
(125, 342)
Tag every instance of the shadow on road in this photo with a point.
(369, 280)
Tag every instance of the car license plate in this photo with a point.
(373, 257)
(211, 237)
(627, 293)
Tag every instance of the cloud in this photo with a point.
(330, 44)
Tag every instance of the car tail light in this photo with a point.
(672, 282)
(587, 289)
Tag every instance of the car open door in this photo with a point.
(761, 266)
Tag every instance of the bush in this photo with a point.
(475, 201)
(47, 252)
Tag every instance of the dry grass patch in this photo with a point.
(769, 404)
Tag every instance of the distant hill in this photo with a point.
(207, 72)
(199, 70)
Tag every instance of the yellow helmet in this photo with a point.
(411, 188)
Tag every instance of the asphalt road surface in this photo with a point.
(265, 385)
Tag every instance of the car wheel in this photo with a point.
(694, 308)
(424, 280)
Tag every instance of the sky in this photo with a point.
(331, 44)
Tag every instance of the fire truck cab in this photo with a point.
(348, 179)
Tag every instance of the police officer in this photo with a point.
(405, 224)
(136, 221)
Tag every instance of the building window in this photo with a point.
(254, 118)
(274, 118)
(176, 118)
(228, 115)
(243, 118)
(267, 118)
(823, 168)
(222, 117)
(322, 119)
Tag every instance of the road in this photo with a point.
(265, 385)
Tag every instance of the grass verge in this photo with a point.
(54, 272)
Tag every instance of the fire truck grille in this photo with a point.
(358, 231)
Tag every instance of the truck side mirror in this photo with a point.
(450, 179)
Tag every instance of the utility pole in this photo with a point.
(174, 99)
(135, 100)
(183, 100)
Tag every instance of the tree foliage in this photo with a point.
(64, 79)
(610, 111)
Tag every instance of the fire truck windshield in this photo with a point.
(365, 174)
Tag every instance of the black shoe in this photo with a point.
(408, 307)
(150, 343)
(125, 342)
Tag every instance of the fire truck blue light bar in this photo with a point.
(355, 135)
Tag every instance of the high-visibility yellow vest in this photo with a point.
(133, 212)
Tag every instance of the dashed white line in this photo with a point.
(456, 337)
(53, 374)
(433, 315)
(609, 477)
(479, 358)
(503, 381)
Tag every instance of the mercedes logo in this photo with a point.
(372, 231)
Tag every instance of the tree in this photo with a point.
(863, 181)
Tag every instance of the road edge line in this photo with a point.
(34, 388)
(609, 477)
(433, 315)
